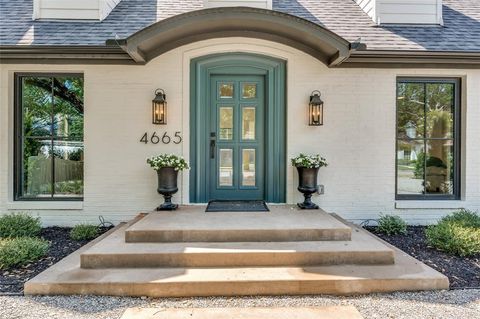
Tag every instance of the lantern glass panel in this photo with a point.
(159, 112)
(316, 114)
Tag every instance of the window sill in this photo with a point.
(44, 205)
(429, 204)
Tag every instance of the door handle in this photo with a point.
(212, 145)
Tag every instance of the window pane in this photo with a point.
(439, 167)
(68, 107)
(68, 168)
(410, 167)
(248, 123)
(51, 137)
(37, 168)
(37, 106)
(226, 167)
(440, 110)
(226, 90)
(248, 167)
(426, 166)
(411, 110)
(249, 90)
(226, 123)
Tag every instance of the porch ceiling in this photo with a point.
(168, 34)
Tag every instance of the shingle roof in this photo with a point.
(461, 31)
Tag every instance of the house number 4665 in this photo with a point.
(165, 138)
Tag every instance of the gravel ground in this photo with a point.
(454, 304)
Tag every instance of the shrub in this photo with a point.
(21, 251)
(391, 225)
(458, 233)
(84, 232)
(465, 218)
(19, 225)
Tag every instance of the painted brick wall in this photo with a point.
(358, 137)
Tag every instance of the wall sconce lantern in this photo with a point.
(315, 109)
(159, 107)
(410, 130)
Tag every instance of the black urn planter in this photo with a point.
(167, 186)
(307, 184)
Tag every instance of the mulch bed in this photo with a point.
(11, 281)
(463, 272)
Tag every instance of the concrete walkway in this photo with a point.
(455, 304)
(330, 312)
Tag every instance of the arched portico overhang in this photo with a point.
(168, 34)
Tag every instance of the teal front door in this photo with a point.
(236, 137)
(237, 128)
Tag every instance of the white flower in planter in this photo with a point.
(309, 161)
(168, 160)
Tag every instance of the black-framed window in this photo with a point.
(428, 138)
(48, 145)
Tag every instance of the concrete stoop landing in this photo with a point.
(282, 223)
(192, 253)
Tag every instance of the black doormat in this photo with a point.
(237, 206)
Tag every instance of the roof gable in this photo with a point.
(461, 30)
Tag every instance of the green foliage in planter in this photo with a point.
(309, 161)
(19, 225)
(391, 225)
(15, 252)
(84, 232)
(168, 160)
(458, 233)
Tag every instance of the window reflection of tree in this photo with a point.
(52, 131)
(425, 119)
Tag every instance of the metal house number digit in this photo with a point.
(178, 137)
(155, 139)
(144, 138)
(165, 139)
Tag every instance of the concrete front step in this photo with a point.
(326, 312)
(113, 252)
(67, 278)
(282, 223)
(406, 275)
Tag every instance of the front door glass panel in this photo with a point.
(225, 90)
(248, 167)
(249, 90)
(225, 116)
(225, 167)
(248, 123)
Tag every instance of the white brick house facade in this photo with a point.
(358, 137)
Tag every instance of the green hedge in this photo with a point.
(458, 233)
(19, 225)
(16, 252)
